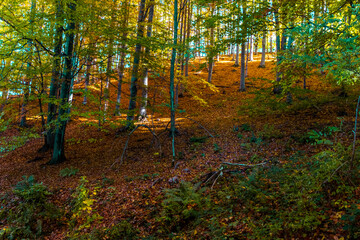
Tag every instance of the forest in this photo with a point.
(179, 119)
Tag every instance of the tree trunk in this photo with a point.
(271, 43)
(188, 41)
(172, 79)
(55, 77)
(134, 74)
(28, 78)
(59, 154)
(251, 49)
(211, 49)
(277, 89)
(237, 56)
(87, 78)
(262, 63)
(122, 57)
(247, 59)
(243, 74)
(145, 76)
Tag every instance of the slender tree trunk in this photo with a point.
(247, 59)
(251, 49)
(87, 78)
(188, 41)
(109, 70)
(172, 78)
(211, 52)
(59, 154)
(263, 53)
(256, 48)
(134, 74)
(122, 57)
(243, 74)
(277, 89)
(271, 43)
(120, 80)
(28, 79)
(145, 76)
(55, 77)
(237, 56)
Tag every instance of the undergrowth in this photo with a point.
(292, 199)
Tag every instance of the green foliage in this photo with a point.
(198, 139)
(352, 220)
(142, 177)
(245, 127)
(216, 148)
(26, 210)
(3, 123)
(8, 145)
(270, 132)
(68, 172)
(318, 137)
(286, 200)
(122, 230)
(239, 136)
(82, 213)
(182, 207)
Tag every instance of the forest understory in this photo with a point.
(248, 165)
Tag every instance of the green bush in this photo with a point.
(182, 207)
(68, 172)
(82, 212)
(122, 230)
(26, 209)
(270, 132)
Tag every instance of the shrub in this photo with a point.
(82, 213)
(27, 209)
(182, 207)
(68, 172)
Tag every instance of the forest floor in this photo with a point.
(217, 124)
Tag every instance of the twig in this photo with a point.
(354, 131)
(244, 165)
(220, 174)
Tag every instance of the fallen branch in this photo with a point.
(221, 171)
(121, 158)
(244, 165)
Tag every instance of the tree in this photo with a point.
(146, 70)
(134, 74)
(68, 75)
(172, 80)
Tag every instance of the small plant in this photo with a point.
(122, 230)
(320, 137)
(82, 213)
(68, 172)
(27, 209)
(106, 181)
(182, 206)
(17, 141)
(269, 132)
(245, 127)
(254, 139)
(198, 139)
(217, 148)
(3, 123)
(352, 220)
